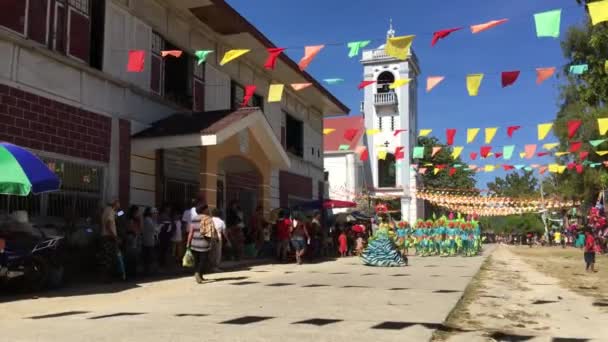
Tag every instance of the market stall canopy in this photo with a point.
(23, 172)
(327, 204)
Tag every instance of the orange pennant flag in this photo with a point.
(543, 73)
(530, 150)
(486, 26)
(432, 82)
(435, 151)
(174, 53)
(309, 54)
(300, 86)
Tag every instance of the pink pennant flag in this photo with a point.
(486, 26)
(443, 34)
(309, 54)
(174, 53)
(473, 155)
(300, 86)
(422, 170)
(573, 126)
(435, 151)
(542, 170)
(530, 150)
(579, 168)
(544, 73)
(508, 78)
(583, 155)
(136, 61)
(397, 131)
(249, 92)
(511, 130)
(364, 84)
(432, 82)
(571, 165)
(273, 54)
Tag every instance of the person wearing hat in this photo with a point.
(149, 237)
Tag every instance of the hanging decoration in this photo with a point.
(443, 34)
(486, 26)
(273, 54)
(598, 11)
(399, 47)
(364, 84)
(275, 92)
(249, 92)
(174, 53)
(300, 86)
(472, 134)
(544, 73)
(543, 130)
(201, 55)
(490, 133)
(355, 47)
(473, 83)
(548, 23)
(231, 55)
(511, 130)
(508, 78)
(136, 61)
(432, 82)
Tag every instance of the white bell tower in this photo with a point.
(389, 110)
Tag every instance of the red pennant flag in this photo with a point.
(498, 155)
(450, 133)
(397, 131)
(364, 155)
(452, 171)
(399, 153)
(575, 146)
(443, 34)
(571, 166)
(136, 61)
(511, 130)
(509, 77)
(542, 154)
(473, 155)
(350, 133)
(441, 166)
(583, 155)
(249, 92)
(508, 167)
(485, 151)
(364, 84)
(273, 54)
(573, 126)
(579, 168)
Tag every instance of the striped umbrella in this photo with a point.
(21, 172)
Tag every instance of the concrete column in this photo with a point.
(111, 192)
(208, 178)
(266, 191)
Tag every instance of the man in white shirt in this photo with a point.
(220, 226)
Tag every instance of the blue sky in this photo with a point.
(511, 46)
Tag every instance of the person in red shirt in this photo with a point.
(284, 226)
(589, 251)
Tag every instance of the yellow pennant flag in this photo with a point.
(543, 130)
(399, 47)
(550, 146)
(553, 168)
(424, 132)
(275, 92)
(606, 66)
(457, 151)
(490, 133)
(602, 125)
(382, 155)
(601, 153)
(436, 170)
(489, 168)
(473, 83)
(561, 169)
(561, 154)
(399, 83)
(598, 11)
(232, 55)
(372, 131)
(327, 131)
(472, 134)
(522, 154)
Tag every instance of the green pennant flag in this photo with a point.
(343, 147)
(418, 152)
(528, 168)
(597, 143)
(457, 166)
(333, 80)
(579, 69)
(519, 167)
(507, 151)
(595, 164)
(548, 23)
(202, 55)
(355, 47)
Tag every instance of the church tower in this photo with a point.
(389, 110)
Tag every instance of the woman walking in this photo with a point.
(299, 239)
(589, 251)
(201, 239)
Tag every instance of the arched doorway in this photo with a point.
(385, 79)
(239, 180)
(387, 175)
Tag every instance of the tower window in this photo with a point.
(392, 123)
(385, 79)
(387, 176)
(380, 123)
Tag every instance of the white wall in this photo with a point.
(345, 179)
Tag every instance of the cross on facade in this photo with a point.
(386, 144)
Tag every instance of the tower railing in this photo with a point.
(389, 98)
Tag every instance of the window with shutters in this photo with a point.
(157, 65)
(294, 135)
(14, 16)
(380, 123)
(178, 77)
(392, 123)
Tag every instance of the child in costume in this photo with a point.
(343, 243)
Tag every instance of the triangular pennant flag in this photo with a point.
(507, 151)
(355, 47)
(436, 170)
(436, 150)
(508, 167)
(473, 83)
(174, 53)
(309, 54)
(601, 153)
(573, 126)
(595, 164)
(350, 134)
(544, 73)
(472, 167)
(422, 170)
(424, 132)
(485, 151)
(327, 131)
(333, 80)
(343, 147)
(542, 154)
(364, 84)
(508, 78)
(275, 92)
(606, 66)
(486, 26)
(449, 134)
(399, 153)
(382, 155)
(596, 143)
(579, 168)
(232, 55)
(583, 155)
(399, 47)
(511, 130)
(472, 134)
(490, 168)
(579, 69)
(364, 155)
(542, 170)
(441, 34)
(550, 146)
(473, 155)
(490, 133)
(452, 171)
(602, 125)
(399, 83)
(273, 54)
(548, 23)
(136, 61)
(372, 131)
(519, 167)
(418, 152)
(249, 92)
(530, 150)
(598, 11)
(522, 154)
(456, 152)
(397, 131)
(432, 82)
(553, 168)
(201, 55)
(543, 130)
(498, 155)
(575, 146)
(300, 86)
(561, 169)
(561, 154)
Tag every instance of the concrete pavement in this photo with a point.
(338, 300)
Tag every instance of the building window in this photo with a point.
(177, 75)
(387, 176)
(385, 79)
(380, 123)
(392, 123)
(238, 94)
(294, 135)
(157, 64)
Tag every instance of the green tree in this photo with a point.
(515, 184)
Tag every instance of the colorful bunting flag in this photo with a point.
(418, 152)
(372, 131)
(422, 170)
(399, 83)
(602, 124)
(498, 155)
(443, 34)
(397, 131)
(522, 155)
(472, 134)
(543, 130)
(327, 131)
(449, 134)
(350, 134)
(542, 170)
(573, 126)
(508, 167)
(275, 92)
(490, 168)
(399, 47)
(579, 69)
(550, 146)
(309, 54)
(579, 168)
(542, 154)
(300, 86)
(473, 155)
(456, 152)
(364, 84)
(508, 78)
(601, 153)
(432, 82)
(452, 171)
(364, 155)
(490, 133)
(598, 11)
(596, 143)
(136, 61)
(273, 54)
(486, 26)
(333, 80)
(519, 167)
(174, 53)
(511, 130)
(606, 66)
(424, 132)
(553, 168)
(436, 150)
(561, 169)
(343, 147)
(507, 151)
(485, 151)
(355, 47)
(399, 153)
(436, 170)
(473, 83)
(548, 23)
(575, 146)
(530, 150)
(583, 155)
(561, 154)
(201, 55)
(249, 92)
(382, 155)
(232, 55)
(544, 73)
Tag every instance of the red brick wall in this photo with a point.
(43, 124)
(295, 185)
(124, 161)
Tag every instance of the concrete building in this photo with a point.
(65, 94)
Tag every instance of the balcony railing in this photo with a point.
(389, 98)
